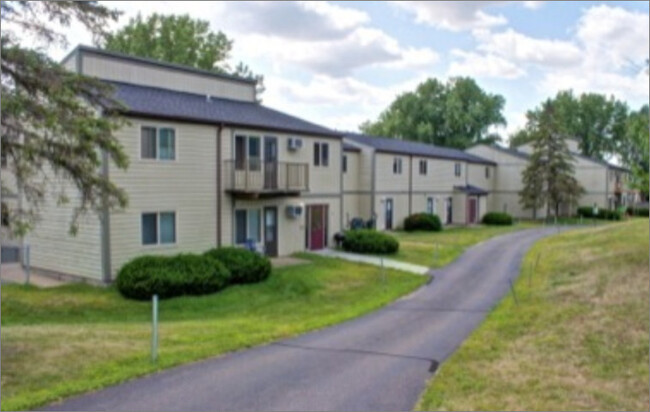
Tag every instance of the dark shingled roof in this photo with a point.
(601, 162)
(472, 190)
(347, 147)
(170, 104)
(384, 144)
(513, 152)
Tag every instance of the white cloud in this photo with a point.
(533, 5)
(520, 48)
(453, 15)
(483, 65)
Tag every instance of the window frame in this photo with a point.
(260, 224)
(397, 165)
(458, 172)
(158, 242)
(424, 167)
(158, 128)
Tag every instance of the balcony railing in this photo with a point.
(254, 177)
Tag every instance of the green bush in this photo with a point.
(169, 276)
(244, 265)
(369, 241)
(588, 212)
(638, 211)
(497, 219)
(423, 221)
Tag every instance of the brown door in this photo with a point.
(472, 210)
(317, 227)
(389, 214)
(270, 163)
(271, 231)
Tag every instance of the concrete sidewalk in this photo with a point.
(14, 273)
(374, 260)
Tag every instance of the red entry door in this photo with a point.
(317, 227)
(472, 210)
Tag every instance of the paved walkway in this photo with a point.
(14, 273)
(374, 260)
(378, 362)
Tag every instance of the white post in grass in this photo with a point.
(383, 273)
(26, 263)
(154, 328)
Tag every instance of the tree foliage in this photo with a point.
(456, 114)
(636, 150)
(181, 40)
(596, 121)
(549, 177)
(56, 125)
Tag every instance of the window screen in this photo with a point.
(168, 227)
(148, 143)
(149, 229)
(254, 225)
(316, 154)
(325, 149)
(167, 144)
(240, 226)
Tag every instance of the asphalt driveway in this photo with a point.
(379, 362)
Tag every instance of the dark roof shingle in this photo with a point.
(157, 102)
(384, 144)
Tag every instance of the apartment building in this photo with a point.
(606, 185)
(209, 166)
(388, 180)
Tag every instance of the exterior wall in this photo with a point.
(400, 209)
(186, 185)
(593, 178)
(54, 249)
(351, 178)
(477, 177)
(459, 209)
(121, 70)
(325, 188)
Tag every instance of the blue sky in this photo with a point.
(340, 63)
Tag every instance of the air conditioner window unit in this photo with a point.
(294, 211)
(295, 143)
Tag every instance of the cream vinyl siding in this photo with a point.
(53, 248)
(593, 178)
(476, 176)
(292, 232)
(352, 178)
(400, 209)
(186, 186)
(140, 73)
(386, 179)
(459, 209)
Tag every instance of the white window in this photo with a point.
(397, 165)
(457, 170)
(157, 143)
(424, 166)
(158, 228)
(321, 154)
(248, 226)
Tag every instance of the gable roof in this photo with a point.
(347, 147)
(406, 147)
(512, 152)
(472, 190)
(169, 104)
(601, 162)
(152, 62)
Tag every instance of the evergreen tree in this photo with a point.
(549, 178)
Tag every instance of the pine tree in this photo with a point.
(549, 178)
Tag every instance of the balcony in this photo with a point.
(255, 179)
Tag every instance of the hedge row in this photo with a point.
(641, 211)
(190, 274)
(588, 212)
(423, 221)
(497, 219)
(369, 241)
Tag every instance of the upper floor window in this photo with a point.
(321, 154)
(248, 152)
(158, 143)
(424, 165)
(397, 165)
(487, 172)
(158, 228)
(457, 170)
(345, 164)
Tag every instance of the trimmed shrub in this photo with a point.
(244, 265)
(170, 276)
(370, 241)
(497, 219)
(638, 211)
(588, 212)
(423, 221)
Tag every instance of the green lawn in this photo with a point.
(578, 340)
(420, 247)
(63, 341)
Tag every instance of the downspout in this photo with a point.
(219, 184)
(607, 188)
(341, 196)
(410, 185)
(373, 185)
(105, 227)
